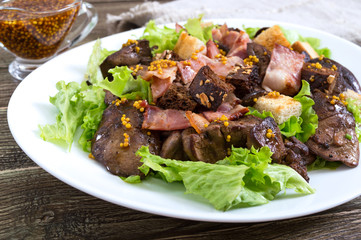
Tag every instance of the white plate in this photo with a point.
(29, 106)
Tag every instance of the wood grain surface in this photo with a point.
(35, 205)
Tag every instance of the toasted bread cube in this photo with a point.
(177, 97)
(281, 107)
(305, 46)
(186, 45)
(270, 37)
(208, 90)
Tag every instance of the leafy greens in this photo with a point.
(247, 177)
(309, 117)
(124, 85)
(78, 105)
(164, 38)
(194, 28)
(321, 163)
(93, 73)
(354, 107)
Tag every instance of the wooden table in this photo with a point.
(35, 205)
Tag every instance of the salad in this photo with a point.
(196, 104)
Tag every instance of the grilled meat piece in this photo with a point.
(324, 79)
(334, 124)
(257, 138)
(172, 147)
(106, 148)
(249, 99)
(136, 53)
(240, 129)
(263, 55)
(109, 97)
(209, 146)
(298, 156)
(346, 78)
(208, 89)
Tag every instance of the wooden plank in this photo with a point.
(51, 209)
(7, 86)
(11, 155)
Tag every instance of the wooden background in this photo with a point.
(35, 205)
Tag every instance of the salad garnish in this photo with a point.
(205, 105)
(243, 179)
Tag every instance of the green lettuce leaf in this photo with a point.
(94, 106)
(195, 29)
(251, 31)
(291, 127)
(124, 85)
(309, 117)
(286, 177)
(75, 103)
(243, 179)
(263, 179)
(132, 179)
(164, 38)
(256, 160)
(93, 73)
(256, 113)
(69, 103)
(354, 107)
(320, 163)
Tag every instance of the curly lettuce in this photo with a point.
(93, 73)
(196, 28)
(309, 117)
(160, 38)
(354, 107)
(251, 31)
(124, 85)
(78, 105)
(243, 179)
(321, 163)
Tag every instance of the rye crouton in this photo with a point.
(281, 107)
(268, 38)
(208, 89)
(177, 97)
